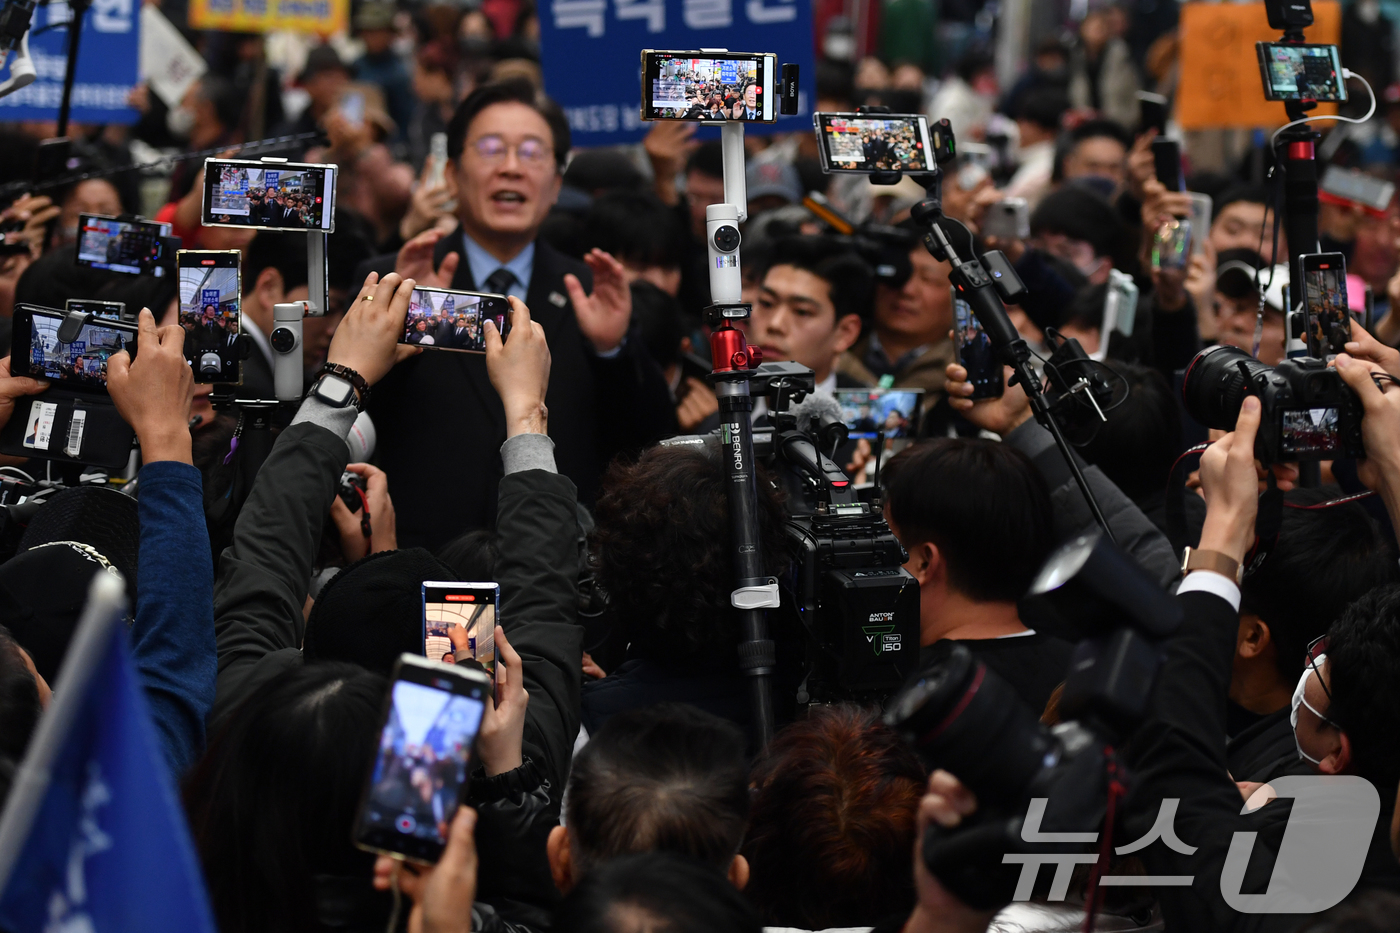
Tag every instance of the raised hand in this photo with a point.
(519, 369)
(152, 392)
(604, 316)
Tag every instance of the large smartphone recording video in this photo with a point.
(210, 313)
(429, 724)
(1325, 303)
(269, 195)
(80, 363)
(133, 247)
(860, 143)
(443, 319)
(710, 87)
(1301, 72)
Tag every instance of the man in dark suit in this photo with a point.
(506, 150)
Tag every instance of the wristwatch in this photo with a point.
(340, 386)
(1223, 564)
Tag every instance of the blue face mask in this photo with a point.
(1300, 700)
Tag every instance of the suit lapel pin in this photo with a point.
(557, 299)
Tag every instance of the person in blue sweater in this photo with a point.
(172, 634)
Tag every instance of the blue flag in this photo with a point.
(93, 838)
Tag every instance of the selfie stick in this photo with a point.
(288, 369)
(734, 362)
(1299, 164)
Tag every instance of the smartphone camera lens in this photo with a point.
(727, 239)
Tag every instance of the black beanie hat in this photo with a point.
(372, 611)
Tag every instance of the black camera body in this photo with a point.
(1309, 413)
(855, 604)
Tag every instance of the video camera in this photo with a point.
(856, 606)
(961, 717)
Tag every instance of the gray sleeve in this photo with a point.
(1133, 530)
(528, 452)
(338, 421)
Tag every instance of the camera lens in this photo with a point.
(283, 340)
(962, 717)
(727, 239)
(1214, 387)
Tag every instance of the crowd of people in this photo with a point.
(617, 783)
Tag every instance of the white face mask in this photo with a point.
(1300, 700)
(1368, 11)
(179, 122)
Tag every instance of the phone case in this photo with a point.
(69, 426)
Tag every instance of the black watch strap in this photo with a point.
(354, 378)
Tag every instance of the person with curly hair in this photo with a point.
(662, 551)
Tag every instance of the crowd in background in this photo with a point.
(617, 786)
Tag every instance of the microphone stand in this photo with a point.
(981, 291)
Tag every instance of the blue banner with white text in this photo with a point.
(108, 55)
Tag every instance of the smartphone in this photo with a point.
(101, 310)
(1328, 322)
(442, 319)
(80, 363)
(352, 107)
(1171, 244)
(1301, 72)
(269, 195)
(887, 142)
(459, 621)
(866, 411)
(1009, 218)
(210, 303)
(1351, 186)
(972, 350)
(1201, 208)
(134, 247)
(430, 721)
(1120, 305)
(437, 149)
(1166, 159)
(710, 87)
(1152, 112)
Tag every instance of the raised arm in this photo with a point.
(538, 528)
(173, 633)
(264, 574)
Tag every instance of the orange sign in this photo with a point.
(1220, 83)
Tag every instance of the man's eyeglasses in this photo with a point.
(1317, 648)
(530, 151)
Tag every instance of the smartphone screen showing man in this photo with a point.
(1325, 301)
(209, 313)
(973, 349)
(868, 411)
(269, 196)
(441, 319)
(850, 142)
(1301, 72)
(459, 622)
(709, 87)
(424, 752)
(82, 362)
(131, 247)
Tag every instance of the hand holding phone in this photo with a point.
(518, 366)
(366, 340)
(415, 785)
(1328, 321)
(972, 348)
(1166, 162)
(152, 392)
(501, 742)
(447, 319)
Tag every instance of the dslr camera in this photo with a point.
(1309, 413)
(1062, 779)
